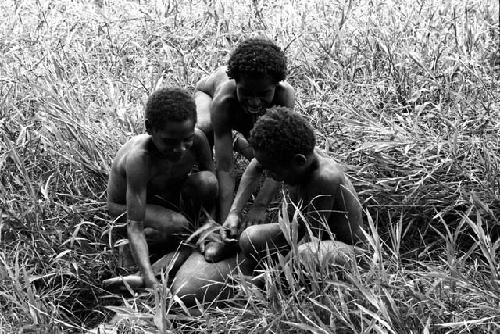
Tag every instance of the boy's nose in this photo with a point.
(254, 102)
(180, 148)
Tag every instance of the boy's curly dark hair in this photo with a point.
(169, 104)
(257, 56)
(282, 133)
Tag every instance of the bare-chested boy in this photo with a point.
(151, 178)
(283, 143)
(233, 98)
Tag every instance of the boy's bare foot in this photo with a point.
(121, 283)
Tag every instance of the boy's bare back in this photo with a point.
(328, 196)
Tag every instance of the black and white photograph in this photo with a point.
(281, 166)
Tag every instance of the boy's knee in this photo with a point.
(250, 240)
(202, 184)
(205, 126)
(179, 224)
(168, 226)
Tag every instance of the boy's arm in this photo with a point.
(286, 97)
(249, 181)
(202, 151)
(205, 163)
(257, 213)
(223, 153)
(337, 206)
(354, 219)
(209, 84)
(137, 175)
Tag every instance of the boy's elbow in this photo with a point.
(134, 227)
(200, 85)
(115, 209)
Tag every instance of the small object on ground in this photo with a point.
(206, 282)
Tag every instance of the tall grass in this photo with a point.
(406, 95)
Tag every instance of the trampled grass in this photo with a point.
(406, 95)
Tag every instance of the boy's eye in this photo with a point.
(170, 142)
(257, 94)
(188, 139)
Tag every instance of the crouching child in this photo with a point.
(284, 148)
(152, 182)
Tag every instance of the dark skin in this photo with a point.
(317, 185)
(147, 177)
(225, 105)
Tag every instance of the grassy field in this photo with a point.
(405, 94)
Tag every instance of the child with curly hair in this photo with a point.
(151, 182)
(229, 101)
(284, 146)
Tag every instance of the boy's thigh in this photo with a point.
(200, 185)
(259, 238)
(159, 218)
(203, 103)
(165, 229)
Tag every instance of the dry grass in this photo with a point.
(406, 95)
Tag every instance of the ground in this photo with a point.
(405, 94)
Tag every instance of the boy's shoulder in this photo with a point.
(216, 83)
(225, 92)
(328, 176)
(135, 148)
(285, 94)
(284, 86)
(139, 143)
(199, 138)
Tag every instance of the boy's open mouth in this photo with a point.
(255, 111)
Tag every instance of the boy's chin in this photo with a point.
(255, 111)
(278, 179)
(174, 157)
(291, 181)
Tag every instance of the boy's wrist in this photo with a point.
(234, 212)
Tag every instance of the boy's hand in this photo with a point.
(256, 215)
(202, 234)
(229, 230)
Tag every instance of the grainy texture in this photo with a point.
(405, 94)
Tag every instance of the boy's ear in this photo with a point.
(300, 160)
(147, 123)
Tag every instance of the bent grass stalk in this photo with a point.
(405, 95)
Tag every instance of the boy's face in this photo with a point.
(278, 171)
(255, 93)
(173, 139)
